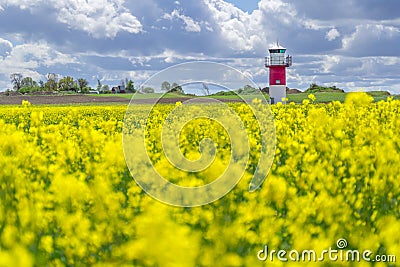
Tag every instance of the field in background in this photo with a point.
(324, 97)
(146, 96)
(321, 97)
(102, 99)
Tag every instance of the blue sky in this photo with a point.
(249, 5)
(350, 44)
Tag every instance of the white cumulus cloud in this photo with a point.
(373, 40)
(190, 24)
(241, 31)
(5, 47)
(99, 18)
(25, 58)
(332, 34)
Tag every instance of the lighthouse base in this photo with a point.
(277, 93)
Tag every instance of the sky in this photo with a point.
(352, 44)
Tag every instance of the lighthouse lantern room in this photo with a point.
(277, 62)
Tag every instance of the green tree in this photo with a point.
(105, 89)
(82, 83)
(41, 84)
(16, 79)
(28, 85)
(247, 90)
(319, 88)
(51, 84)
(84, 90)
(148, 90)
(176, 88)
(66, 83)
(99, 85)
(130, 87)
(165, 86)
(28, 82)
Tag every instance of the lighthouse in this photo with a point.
(277, 62)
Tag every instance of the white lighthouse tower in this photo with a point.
(277, 62)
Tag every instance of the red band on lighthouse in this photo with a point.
(277, 75)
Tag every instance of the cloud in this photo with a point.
(240, 31)
(29, 58)
(98, 18)
(345, 9)
(190, 24)
(332, 34)
(372, 40)
(251, 34)
(36, 54)
(5, 47)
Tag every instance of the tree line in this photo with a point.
(165, 87)
(54, 83)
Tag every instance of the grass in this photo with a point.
(84, 104)
(321, 97)
(324, 97)
(238, 97)
(146, 96)
(378, 93)
(172, 95)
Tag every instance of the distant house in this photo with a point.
(120, 89)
